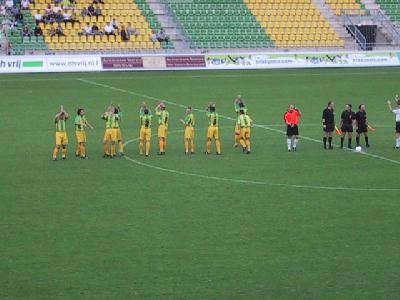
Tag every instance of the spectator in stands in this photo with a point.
(52, 31)
(109, 29)
(56, 9)
(26, 31)
(66, 4)
(87, 30)
(59, 17)
(3, 10)
(124, 34)
(38, 17)
(48, 10)
(131, 30)
(98, 2)
(25, 4)
(19, 17)
(57, 2)
(153, 37)
(114, 23)
(162, 36)
(9, 4)
(38, 31)
(96, 30)
(84, 12)
(91, 10)
(97, 11)
(60, 30)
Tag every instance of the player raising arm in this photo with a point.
(80, 124)
(292, 119)
(238, 105)
(396, 111)
(110, 135)
(60, 120)
(163, 119)
(212, 131)
(121, 145)
(189, 123)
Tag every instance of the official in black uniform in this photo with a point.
(362, 124)
(346, 124)
(328, 124)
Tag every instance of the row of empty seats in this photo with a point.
(391, 9)
(350, 7)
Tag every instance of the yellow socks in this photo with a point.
(147, 147)
(121, 147)
(192, 146)
(55, 152)
(209, 146)
(243, 143)
(248, 145)
(82, 150)
(186, 146)
(218, 145)
(141, 147)
(113, 149)
(106, 149)
(64, 152)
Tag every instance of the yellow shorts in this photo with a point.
(189, 132)
(245, 133)
(212, 132)
(110, 135)
(80, 136)
(162, 131)
(145, 133)
(119, 134)
(61, 138)
(237, 129)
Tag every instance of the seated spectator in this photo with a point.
(60, 30)
(56, 9)
(9, 4)
(38, 17)
(131, 30)
(19, 17)
(48, 11)
(114, 24)
(59, 17)
(52, 31)
(153, 37)
(109, 29)
(96, 30)
(84, 12)
(3, 10)
(87, 30)
(98, 2)
(124, 34)
(26, 31)
(162, 36)
(66, 3)
(90, 10)
(97, 11)
(57, 2)
(38, 31)
(25, 4)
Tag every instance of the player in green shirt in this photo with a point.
(238, 105)
(110, 135)
(60, 120)
(80, 124)
(163, 119)
(212, 131)
(189, 123)
(145, 130)
(244, 122)
(120, 140)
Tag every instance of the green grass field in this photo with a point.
(313, 224)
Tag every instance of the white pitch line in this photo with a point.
(274, 74)
(225, 117)
(265, 183)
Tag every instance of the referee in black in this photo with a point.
(328, 124)
(362, 125)
(346, 124)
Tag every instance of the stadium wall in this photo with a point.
(141, 62)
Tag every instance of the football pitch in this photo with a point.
(311, 224)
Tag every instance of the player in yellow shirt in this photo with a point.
(80, 124)
(121, 145)
(163, 119)
(212, 131)
(60, 120)
(189, 123)
(238, 105)
(110, 135)
(244, 122)
(145, 130)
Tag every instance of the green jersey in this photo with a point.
(238, 108)
(111, 120)
(118, 119)
(212, 118)
(60, 125)
(145, 120)
(80, 122)
(189, 120)
(244, 121)
(163, 117)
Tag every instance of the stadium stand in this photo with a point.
(350, 6)
(294, 23)
(391, 9)
(123, 11)
(220, 24)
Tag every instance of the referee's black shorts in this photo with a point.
(329, 127)
(362, 129)
(292, 130)
(398, 127)
(347, 128)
